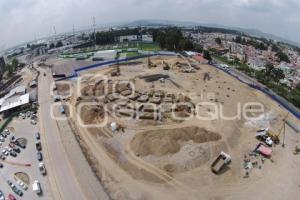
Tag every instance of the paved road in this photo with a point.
(61, 175)
(72, 176)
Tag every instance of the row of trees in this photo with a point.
(57, 45)
(252, 42)
(172, 40)
(10, 68)
(104, 38)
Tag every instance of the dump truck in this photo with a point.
(220, 162)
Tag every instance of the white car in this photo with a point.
(2, 195)
(6, 132)
(5, 152)
(22, 185)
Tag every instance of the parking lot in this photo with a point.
(25, 165)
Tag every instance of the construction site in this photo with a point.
(146, 129)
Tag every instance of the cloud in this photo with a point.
(21, 20)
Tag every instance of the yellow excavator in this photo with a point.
(276, 136)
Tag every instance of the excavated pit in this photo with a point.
(169, 141)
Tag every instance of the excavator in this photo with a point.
(276, 136)
(150, 64)
(116, 72)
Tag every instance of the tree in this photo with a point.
(218, 41)
(199, 48)
(12, 67)
(59, 44)
(206, 55)
(283, 57)
(275, 48)
(238, 39)
(52, 45)
(15, 63)
(269, 67)
(277, 75)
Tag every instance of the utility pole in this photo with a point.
(54, 29)
(94, 27)
(73, 37)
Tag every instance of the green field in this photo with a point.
(132, 54)
(149, 47)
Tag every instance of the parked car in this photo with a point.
(11, 197)
(22, 185)
(36, 187)
(14, 188)
(17, 150)
(5, 152)
(11, 145)
(42, 168)
(39, 156)
(12, 138)
(33, 122)
(6, 131)
(37, 135)
(2, 157)
(38, 146)
(20, 145)
(2, 195)
(13, 154)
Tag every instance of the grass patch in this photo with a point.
(132, 54)
(149, 47)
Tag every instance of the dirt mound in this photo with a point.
(169, 141)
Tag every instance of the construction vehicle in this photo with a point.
(297, 150)
(276, 137)
(166, 66)
(116, 72)
(220, 162)
(150, 64)
(261, 135)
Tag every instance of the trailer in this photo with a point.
(220, 162)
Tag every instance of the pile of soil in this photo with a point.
(169, 141)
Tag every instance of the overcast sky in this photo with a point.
(21, 20)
